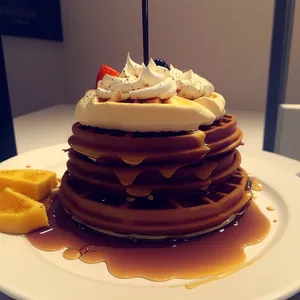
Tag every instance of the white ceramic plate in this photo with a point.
(27, 273)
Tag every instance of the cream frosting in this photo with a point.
(191, 85)
(178, 114)
(104, 107)
(137, 82)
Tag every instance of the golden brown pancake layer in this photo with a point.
(162, 216)
(135, 148)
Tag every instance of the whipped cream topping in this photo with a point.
(190, 85)
(137, 82)
(104, 107)
(177, 114)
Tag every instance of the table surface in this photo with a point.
(53, 126)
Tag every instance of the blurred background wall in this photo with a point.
(292, 95)
(226, 41)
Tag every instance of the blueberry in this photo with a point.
(162, 63)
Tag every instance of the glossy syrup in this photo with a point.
(256, 185)
(210, 254)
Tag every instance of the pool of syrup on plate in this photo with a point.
(210, 254)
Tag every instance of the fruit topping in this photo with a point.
(20, 214)
(162, 63)
(35, 184)
(105, 69)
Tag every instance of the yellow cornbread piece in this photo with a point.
(35, 184)
(19, 214)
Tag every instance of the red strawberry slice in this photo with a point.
(105, 69)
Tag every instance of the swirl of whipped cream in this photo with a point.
(137, 82)
(215, 103)
(174, 113)
(190, 85)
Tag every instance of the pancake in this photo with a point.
(135, 148)
(153, 155)
(162, 217)
(180, 188)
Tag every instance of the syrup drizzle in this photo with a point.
(270, 208)
(211, 254)
(256, 185)
(72, 253)
(133, 160)
(170, 170)
(138, 191)
(127, 176)
(205, 172)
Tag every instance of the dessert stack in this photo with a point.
(153, 155)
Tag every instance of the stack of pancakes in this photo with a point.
(155, 185)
